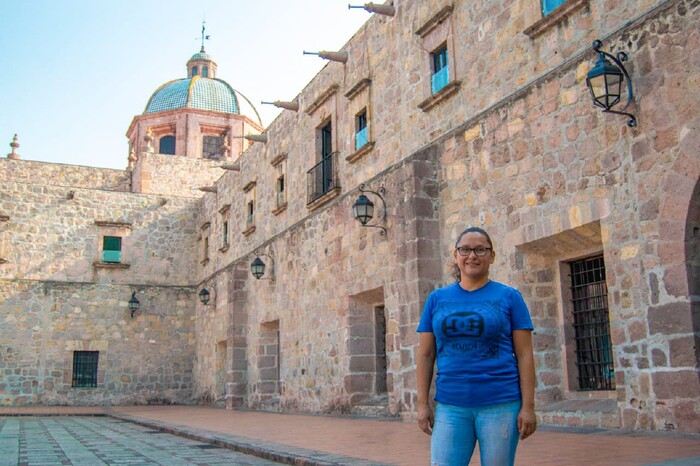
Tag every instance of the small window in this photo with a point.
(112, 249)
(280, 191)
(85, 369)
(194, 71)
(224, 234)
(205, 71)
(550, 5)
(591, 322)
(441, 73)
(206, 248)
(360, 129)
(167, 145)
(251, 213)
(211, 147)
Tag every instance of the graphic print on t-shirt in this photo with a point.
(473, 329)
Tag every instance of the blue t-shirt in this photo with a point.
(476, 365)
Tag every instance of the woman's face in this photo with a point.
(472, 266)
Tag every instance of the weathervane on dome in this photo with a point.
(204, 37)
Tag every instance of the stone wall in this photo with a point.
(173, 175)
(57, 295)
(69, 176)
(515, 146)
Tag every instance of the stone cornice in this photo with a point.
(358, 87)
(435, 21)
(325, 95)
(109, 223)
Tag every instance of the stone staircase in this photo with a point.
(377, 406)
(593, 413)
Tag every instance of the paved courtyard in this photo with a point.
(94, 441)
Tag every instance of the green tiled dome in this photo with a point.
(196, 92)
(201, 56)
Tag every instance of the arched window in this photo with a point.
(167, 145)
(194, 71)
(205, 71)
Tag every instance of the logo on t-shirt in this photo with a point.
(470, 328)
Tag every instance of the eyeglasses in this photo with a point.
(479, 251)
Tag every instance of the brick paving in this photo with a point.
(322, 440)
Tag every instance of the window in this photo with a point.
(361, 129)
(112, 249)
(589, 296)
(85, 368)
(250, 218)
(441, 73)
(550, 5)
(280, 191)
(224, 234)
(205, 71)
(194, 71)
(205, 250)
(211, 147)
(322, 177)
(167, 145)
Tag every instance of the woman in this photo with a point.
(480, 331)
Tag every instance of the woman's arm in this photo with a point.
(425, 360)
(522, 345)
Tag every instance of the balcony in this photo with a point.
(322, 179)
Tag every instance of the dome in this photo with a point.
(201, 56)
(195, 92)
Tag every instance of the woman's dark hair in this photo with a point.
(455, 269)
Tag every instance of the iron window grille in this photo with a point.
(323, 177)
(112, 249)
(594, 358)
(85, 369)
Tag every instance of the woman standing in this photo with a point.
(480, 332)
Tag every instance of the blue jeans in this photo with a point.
(457, 429)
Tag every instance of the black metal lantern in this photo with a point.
(363, 209)
(605, 82)
(133, 304)
(257, 268)
(204, 296)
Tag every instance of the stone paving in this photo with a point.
(95, 441)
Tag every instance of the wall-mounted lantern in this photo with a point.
(133, 304)
(363, 208)
(257, 267)
(204, 296)
(387, 10)
(605, 82)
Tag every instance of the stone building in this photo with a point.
(448, 113)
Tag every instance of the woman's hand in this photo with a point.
(425, 419)
(527, 422)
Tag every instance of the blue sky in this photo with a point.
(77, 71)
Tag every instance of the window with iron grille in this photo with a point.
(550, 5)
(112, 249)
(211, 146)
(591, 323)
(85, 368)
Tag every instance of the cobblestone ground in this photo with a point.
(95, 441)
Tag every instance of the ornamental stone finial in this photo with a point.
(149, 140)
(14, 144)
(132, 158)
